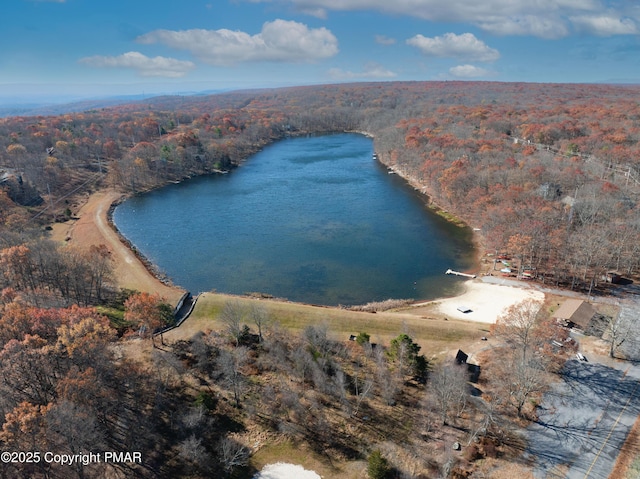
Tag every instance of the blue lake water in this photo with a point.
(313, 219)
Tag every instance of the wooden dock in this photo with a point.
(457, 273)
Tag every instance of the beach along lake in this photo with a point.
(312, 219)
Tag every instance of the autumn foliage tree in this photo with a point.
(147, 313)
(39, 356)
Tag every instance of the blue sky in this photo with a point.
(105, 47)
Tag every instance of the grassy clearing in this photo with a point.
(115, 316)
(448, 216)
(434, 334)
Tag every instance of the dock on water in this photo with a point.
(457, 273)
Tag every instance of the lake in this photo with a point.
(312, 219)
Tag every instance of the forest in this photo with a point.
(547, 174)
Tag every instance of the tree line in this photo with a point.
(566, 218)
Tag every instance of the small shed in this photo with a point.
(612, 277)
(575, 313)
(473, 369)
(461, 357)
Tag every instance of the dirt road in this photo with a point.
(92, 228)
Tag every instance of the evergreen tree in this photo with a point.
(378, 466)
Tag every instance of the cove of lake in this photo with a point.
(312, 220)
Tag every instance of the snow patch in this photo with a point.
(281, 470)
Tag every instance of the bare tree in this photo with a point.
(388, 383)
(302, 363)
(363, 388)
(521, 378)
(231, 363)
(518, 323)
(622, 328)
(196, 420)
(232, 315)
(193, 452)
(490, 418)
(260, 317)
(72, 428)
(450, 390)
(202, 351)
(340, 390)
(318, 341)
(232, 454)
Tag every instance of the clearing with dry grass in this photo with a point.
(437, 336)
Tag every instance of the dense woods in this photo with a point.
(548, 173)
(549, 176)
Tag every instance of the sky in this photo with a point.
(96, 48)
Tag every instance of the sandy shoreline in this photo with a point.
(484, 301)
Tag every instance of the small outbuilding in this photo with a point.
(612, 277)
(461, 357)
(472, 368)
(575, 313)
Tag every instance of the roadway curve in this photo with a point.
(92, 228)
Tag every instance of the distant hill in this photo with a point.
(46, 109)
(52, 106)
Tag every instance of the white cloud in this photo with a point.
(384, 40)
(144, 65)
(469, 71)
(371, 71)
(542, 26)
(279, 41)
(541, 18)
(316, 12)
(604, 25)
(456, 10)
(450, 45)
